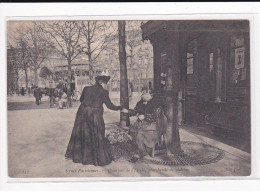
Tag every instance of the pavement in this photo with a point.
(38, 137)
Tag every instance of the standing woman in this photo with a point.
(87, 141)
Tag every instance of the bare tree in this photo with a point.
(22, 52)
(137, 55)
(12, 70)
(39, 47)
(96, 36)
(124, 97)
(64, 36)
(132, 43)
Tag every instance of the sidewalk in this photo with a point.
(37, 141)
(114, 96)
(28, 102)
(25, 98)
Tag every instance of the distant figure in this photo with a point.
(29, 90)
(40, 92)
(150, 88)
(17, 91)
(51, 96)
(60, 85)
(144, 90)
(63, 99)
(130, 89)
(37, 95)
(22, 91)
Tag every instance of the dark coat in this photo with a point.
(87, 143)
(37, 93)
(142, 108)
(95, 96)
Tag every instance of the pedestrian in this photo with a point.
(51, 96)
(22, 91)
(150, 88)
(60, 84)
(40, 92)
(87, 142)
(63, 100)
(130, 89)
(37, 95)
(144, 90)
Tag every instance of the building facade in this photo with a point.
(205, 66)
(139, 60)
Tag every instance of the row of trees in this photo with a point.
(30, 52)
(35, 41)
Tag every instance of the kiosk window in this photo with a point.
(190, 59)
(192, 49)
(211, 63)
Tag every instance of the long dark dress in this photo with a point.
(152, 127)
(87, 142)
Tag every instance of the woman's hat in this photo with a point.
(103, 77)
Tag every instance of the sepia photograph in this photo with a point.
(128, 98)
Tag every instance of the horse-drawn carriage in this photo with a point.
(58, 96)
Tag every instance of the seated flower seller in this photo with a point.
(150, 125)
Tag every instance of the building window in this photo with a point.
(78, 73)
(212, 77)
(211, 62)
(190, 59)
(192, 49)
(218, 76)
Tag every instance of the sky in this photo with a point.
(13, 25)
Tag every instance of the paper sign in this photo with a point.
(239, 58)
(190, 66)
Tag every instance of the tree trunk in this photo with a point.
(139, 83)
(91, 74)
(17, 82)
(132, 70)
(124, 98)
(68, 84)
(172, 87)
(35, 78)
(26, 79)
(183, 50)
